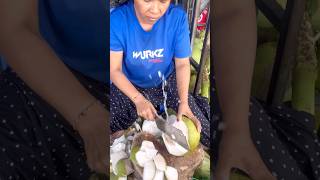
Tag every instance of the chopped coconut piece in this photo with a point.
(151, 153)
(130, 138)
(159, 175)
(142, 158)
(160, 162)
(171, 173)
(119, 140)
(115, 157)
(173, 147)
(151, 127)
(118, 147)
(137, 126)
(147, 145)
(149, 170)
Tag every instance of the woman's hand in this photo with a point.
(93, 130)
(236, 150)
(184, 109)
(145, 108)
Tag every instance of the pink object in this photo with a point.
(202, 20)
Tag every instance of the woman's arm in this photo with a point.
(182, 66)
(36, 63)
(118, 78)
(144, 107)
(234, 47)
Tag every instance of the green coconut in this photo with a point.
(303, 88)
(121, 168)
(203, 171)
(265, 56)
(305, 70)
(133, 153)
(193, 134)
(318, 76)
(316, 20)
(262, 21)
(192, 83)
(205, 86)
(196, 50)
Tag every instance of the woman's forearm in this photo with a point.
(121, 81)
(234, 44)
(183, 78)
(36, 63)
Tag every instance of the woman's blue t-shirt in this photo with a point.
(77, 31)
(148, 53)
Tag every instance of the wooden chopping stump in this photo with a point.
(185, 165)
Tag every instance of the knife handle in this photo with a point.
(160, 108)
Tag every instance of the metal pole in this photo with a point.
(205, 52)
(195, 15)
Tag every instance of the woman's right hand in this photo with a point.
(93, 128)
(236, 150)
(145, 108)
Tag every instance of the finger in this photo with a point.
(89, 156)
(257, 170)
(154, 110)
(150, 114)
(144, 114)
(195, 121)
(179, 116)
(199, 127)
(222, 171)
(101, 166)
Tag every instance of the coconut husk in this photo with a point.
(185, 165)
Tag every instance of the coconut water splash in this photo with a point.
(164, 83)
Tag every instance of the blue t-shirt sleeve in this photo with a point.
(116, 32)
(182, 47)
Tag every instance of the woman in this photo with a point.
(265, 142)
(53, 122)
(149, 43)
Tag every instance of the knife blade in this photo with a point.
(174, 133)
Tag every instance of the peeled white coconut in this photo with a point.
(160, 162)
(171, 173)
(119, 140)
(151, 127)
(118, 147)
(130, 138)
(146, 145)
(159, 175)
(115, 157)
(142, 158)
(137, 126)
(149, 170)
(173, 147)
(151, 153)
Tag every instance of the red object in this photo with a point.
(202, 20)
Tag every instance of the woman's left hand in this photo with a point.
(184, 109)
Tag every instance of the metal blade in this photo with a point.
(172, 132)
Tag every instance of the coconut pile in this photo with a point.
(144, 152)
